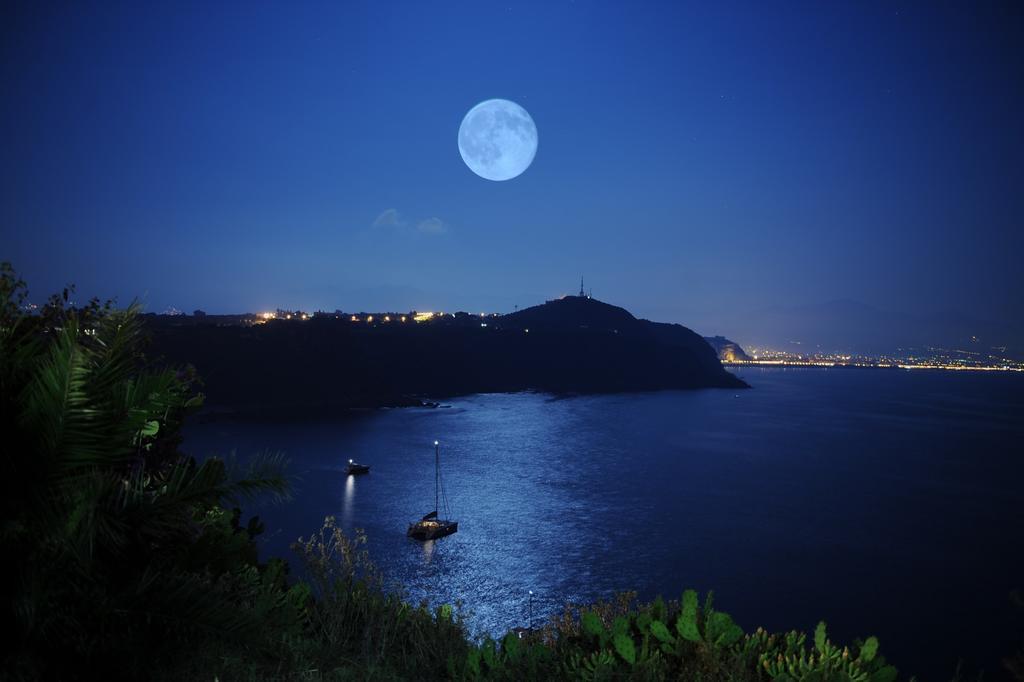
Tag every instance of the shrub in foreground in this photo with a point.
(121, 554)
(679, 640)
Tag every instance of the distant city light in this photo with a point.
(934, 359)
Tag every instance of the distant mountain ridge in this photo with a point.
(845, 325)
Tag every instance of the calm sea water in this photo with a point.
(885, 502)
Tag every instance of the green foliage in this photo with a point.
(819, 637)
(868, 649)
(619, 640)
(624, 645)
(686, 626)
(659, 630)
(721, 631)
(126, 554)
(886, 673)
(789, 660)
(592, 624)
(659, 610)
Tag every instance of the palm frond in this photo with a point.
(56, 407)
(116, 344)
(121, 538)
(265, 474)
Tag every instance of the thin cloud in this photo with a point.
(389, 218)
(432, 226)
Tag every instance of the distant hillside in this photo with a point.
(576, 312)
(573, 345)
(728, 351)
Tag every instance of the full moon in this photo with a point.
(498, 139)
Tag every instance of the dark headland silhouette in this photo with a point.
(728, 351)
(574, 344)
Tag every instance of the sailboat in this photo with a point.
(355, 468)
(430, 526)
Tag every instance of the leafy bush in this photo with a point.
(679, 640)
(121, 551)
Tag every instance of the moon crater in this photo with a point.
(498, 139)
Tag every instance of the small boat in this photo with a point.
(355, 468)
(430, 527)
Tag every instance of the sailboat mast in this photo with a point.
(437, 472)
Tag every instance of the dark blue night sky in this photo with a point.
(697, 162)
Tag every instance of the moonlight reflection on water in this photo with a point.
(812, 496)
